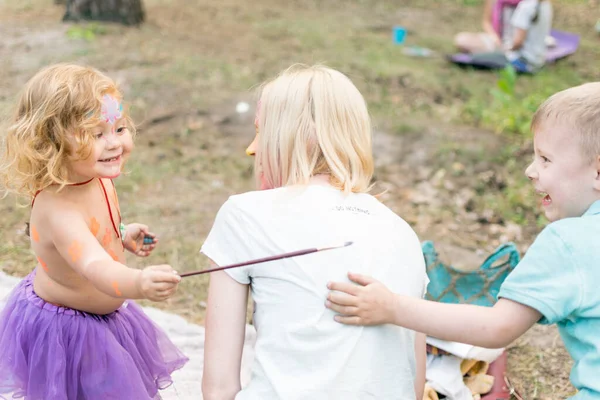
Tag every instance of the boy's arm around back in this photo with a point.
(547, 283)
(371, 303)
(487, 327)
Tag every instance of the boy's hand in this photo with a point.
(158, 282)
(134, 240)
(368, 303)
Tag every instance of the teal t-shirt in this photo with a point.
(560, 277)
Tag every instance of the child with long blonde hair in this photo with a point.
(67, 330)
(314, 163)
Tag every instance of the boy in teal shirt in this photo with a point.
(557, 280)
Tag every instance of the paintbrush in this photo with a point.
(266, 259)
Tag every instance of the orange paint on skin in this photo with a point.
(75, 250)
(43, 264)
(134, 246)
(115, 286)
(107, 238)
(34, 234)
(113, 254)
(94, 226)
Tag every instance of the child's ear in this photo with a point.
(597, 180)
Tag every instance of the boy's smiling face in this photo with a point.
(565, 179)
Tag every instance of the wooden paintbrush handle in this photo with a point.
(251, 262)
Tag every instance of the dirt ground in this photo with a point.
(185, 70)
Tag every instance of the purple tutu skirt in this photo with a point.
(49, 352)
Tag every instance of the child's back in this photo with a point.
(300, 350)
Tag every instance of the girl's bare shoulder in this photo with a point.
(54, 203)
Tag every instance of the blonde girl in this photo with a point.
(67, 330)
(314, 162)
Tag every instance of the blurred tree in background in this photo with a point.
(127, 12)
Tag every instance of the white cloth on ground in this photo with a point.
(466, 351)
(444, 376)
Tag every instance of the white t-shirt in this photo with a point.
(301, 352)
(534, 48)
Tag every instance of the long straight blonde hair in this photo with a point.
(313, 120)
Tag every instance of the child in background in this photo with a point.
(525, 31)
(557, 280)
(67, 330)
(481, 42)
(314, 162)
(518, 28)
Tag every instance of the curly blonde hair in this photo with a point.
(60, 103)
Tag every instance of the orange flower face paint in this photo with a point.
(94, 226)
(115, 286)
(75, 250)
(43, 264)
(34, 234)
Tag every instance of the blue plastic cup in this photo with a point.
(399, 34)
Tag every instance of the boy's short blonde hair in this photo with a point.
(577, 108)
(60, 103)
(313, 120)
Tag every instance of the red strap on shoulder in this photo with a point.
(108, 206)
(34, 196)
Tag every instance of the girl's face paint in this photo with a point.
(75, 250)
(251, 150)
(94, 226)
(111, 146)
(35, 236)
(263, 183)
(111, 110)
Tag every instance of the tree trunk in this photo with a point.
(128, 12)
